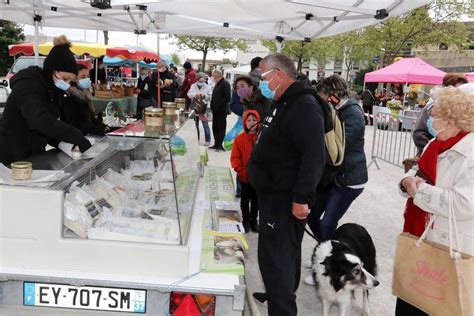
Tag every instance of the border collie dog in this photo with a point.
(343, 264)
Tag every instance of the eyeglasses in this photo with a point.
(262, 76)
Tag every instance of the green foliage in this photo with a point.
(10, 33)
(434, 24)
(208, 44)
(175, 58)
(314, 51)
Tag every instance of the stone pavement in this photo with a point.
(379, 209)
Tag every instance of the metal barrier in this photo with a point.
(393, 141)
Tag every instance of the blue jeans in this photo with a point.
(333, 202)
(207, 131)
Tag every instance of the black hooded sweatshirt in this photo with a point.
(289, 156)
(30, 119)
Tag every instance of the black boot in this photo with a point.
(254, 226)
(246, 226)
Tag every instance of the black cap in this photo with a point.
(187, 65)
(60, 58)
(255, 62)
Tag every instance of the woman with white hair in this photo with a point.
(445, 172)
(200, 94)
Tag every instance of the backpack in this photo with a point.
(335, 141)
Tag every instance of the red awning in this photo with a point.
(23, 48)
(132, 54)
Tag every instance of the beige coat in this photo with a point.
(455, 177)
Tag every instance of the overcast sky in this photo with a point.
(125, 38)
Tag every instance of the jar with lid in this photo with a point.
(154, 120)
(22, 170)
(170, 116)
(180, 103)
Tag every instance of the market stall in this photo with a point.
(150, 276)
(413, 71)
(470, 76)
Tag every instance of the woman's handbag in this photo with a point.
(435, 278)
(199, 105)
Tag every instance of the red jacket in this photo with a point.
(189, 79)
(242, 148)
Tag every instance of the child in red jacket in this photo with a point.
(239, 157)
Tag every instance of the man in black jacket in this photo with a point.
(30, 120)
(219, 103)
(285, 167)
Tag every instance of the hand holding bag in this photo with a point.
(199, 105)
(435, 278)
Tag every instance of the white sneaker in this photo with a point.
(309, 280)
(206, 144)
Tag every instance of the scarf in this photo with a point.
(415, 218)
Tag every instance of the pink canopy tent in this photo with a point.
(470, 76)
(407, 70)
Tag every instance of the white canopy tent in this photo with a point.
(285, 19)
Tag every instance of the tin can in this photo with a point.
(22, 170)
(180, 103)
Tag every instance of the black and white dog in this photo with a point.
(343, 264)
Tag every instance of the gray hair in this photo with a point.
(217, 72)
(334, 85)
(201, 75)
(281, 62)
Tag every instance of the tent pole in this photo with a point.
(158, 96)
(97, 36)
(36, 42)
(96, 69)
(404, 93)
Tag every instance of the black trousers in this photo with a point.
(248, 203)
(279, 252)
(405, 309)
(219, 125)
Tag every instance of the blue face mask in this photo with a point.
(201, 84)
(61, 84)
(143, 76)
(431, 130)
(85, 83)
(265, 89)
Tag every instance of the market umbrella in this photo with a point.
(132, 54)
(78, 48)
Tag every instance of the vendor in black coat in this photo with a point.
(219, 104)
(285, 167)
(30, 120)
(77, 109)
(145, 87)
(168, 84)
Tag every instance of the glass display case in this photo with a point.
(139, 187)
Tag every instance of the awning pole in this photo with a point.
(157, 71)
(36, 42)
(96, 69)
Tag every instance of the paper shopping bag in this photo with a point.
(428, 278)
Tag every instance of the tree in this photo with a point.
(300, 51)
(10, 33)
(434, 24)
(175, 58)
(208, 44)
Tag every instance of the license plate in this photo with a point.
(84, 297)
